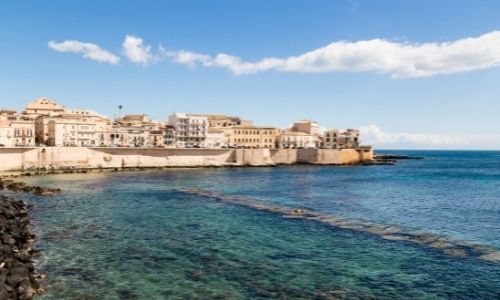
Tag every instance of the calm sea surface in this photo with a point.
(133, 235)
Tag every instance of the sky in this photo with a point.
(409, 74)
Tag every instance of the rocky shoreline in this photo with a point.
(18, 279)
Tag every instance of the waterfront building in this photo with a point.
(45, 122)
(252, 136)
(296, 140)
(339, 139)
(157, 138)
(70, 130)
(116, 136)
(216, 138)
(302, 134)
(16, 129)
(190, 129)
(137, 136)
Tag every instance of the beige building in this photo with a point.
(341, 139)
(223, 121)
(216, 138)
(157, 138)
(43, 106)
(16, 130)
(116, 136)
(71, 130)
(302, 134)
(134, 119)
(252, 136)
(306, 126)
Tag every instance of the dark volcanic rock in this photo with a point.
(18, 279)
(395, 156)
(386, 159)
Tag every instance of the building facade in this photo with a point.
(252, 136)
(43, 106)
(218, 121)
(16, 130)
(341, 139)
(190, 129)
(297, 140)
(306, 126)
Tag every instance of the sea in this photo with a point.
(227, 233)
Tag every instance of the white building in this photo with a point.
(190, 129)
(297, 140)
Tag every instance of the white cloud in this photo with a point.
(377, 55)
(88, 50)
(374, 135)
(398, 59)
(135, 50)
(185, 57)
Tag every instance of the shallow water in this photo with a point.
(134, 235)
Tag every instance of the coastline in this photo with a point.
(76, 158)
(18, 278)
(452, 249)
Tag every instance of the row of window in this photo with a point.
(252, 140)
(23, 132)
(264, 132)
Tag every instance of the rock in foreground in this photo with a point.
(18, 279)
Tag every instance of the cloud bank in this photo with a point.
(374, 135)
(135, 51)
(399, 60)
(88, 50)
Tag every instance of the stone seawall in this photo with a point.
(17, 159)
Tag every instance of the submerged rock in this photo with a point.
(448, 245)
(23, 187)
(455, 252)
(493, 256)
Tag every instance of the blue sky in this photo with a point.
(454, 105)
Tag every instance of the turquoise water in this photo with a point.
(136, 235)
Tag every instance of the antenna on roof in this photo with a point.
(120, 111)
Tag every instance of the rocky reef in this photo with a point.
(18, 279)
(386, 159)
(447, 245)
(14, 186)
